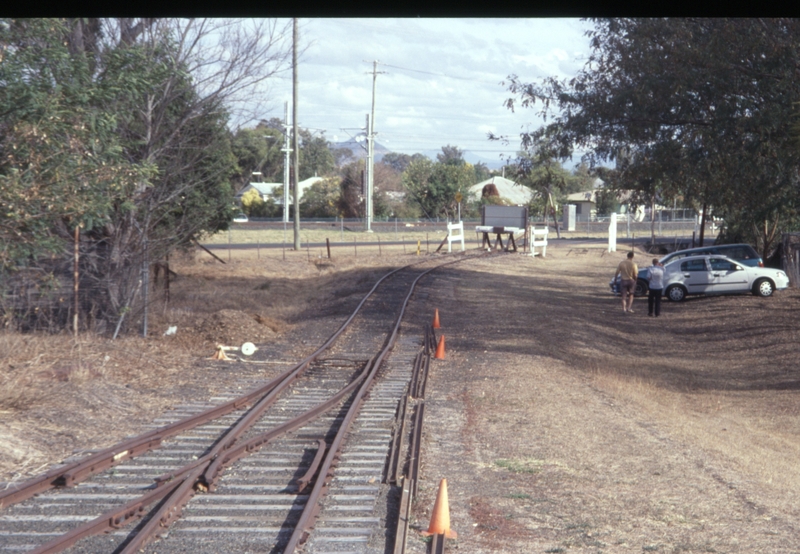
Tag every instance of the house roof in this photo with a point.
(262, 188)
(509, 190)
(587, 196)
(265, 189)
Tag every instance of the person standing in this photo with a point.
(628, 271)
(656, 288)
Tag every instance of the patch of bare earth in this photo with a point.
(563, 424)
(560, 423)
(60, 397)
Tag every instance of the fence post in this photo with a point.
(77, 279)
(328, 244)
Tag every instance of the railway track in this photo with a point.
(296, 462)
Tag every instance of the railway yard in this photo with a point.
(560, 423)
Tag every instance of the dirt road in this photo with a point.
(563, 424)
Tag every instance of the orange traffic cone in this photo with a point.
(440, 518)
(440, 349)
(436, 319)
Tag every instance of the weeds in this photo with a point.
(528, 465)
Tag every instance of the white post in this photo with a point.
(369, 183)
(286, 163)
(612, 233)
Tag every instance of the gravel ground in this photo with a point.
(563, 424)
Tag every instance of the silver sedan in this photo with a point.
(719, 275)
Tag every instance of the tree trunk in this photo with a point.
(553, 213)
(703, 224)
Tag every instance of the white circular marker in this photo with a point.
(248, 349)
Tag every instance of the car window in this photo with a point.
(721, 264)
(694, 265)
(738, 252)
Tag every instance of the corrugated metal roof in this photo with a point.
(509, 190)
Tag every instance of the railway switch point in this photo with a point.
(436, 319)
(440, 349)
(440, 518)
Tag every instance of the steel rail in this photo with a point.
(75, 472)
(181, 485)
(204, 470)
(186, 478)
(171, 509)
(311, 509)
(438, 543)
(410, 478)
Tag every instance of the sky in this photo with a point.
(440, 80)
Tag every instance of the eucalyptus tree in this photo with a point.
(701, 106)
(134, 113)
(435, 187)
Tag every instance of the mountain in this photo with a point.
(359, 149)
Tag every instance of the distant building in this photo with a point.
(508, 190)
(268, 190)
(585, 205)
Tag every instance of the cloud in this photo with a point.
(440, 78)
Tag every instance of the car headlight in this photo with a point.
(781, 274)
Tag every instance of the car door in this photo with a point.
(696, 276)
(729, 276)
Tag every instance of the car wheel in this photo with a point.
(676, 293)
(763, 287)
(641, 288)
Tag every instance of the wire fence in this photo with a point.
(46, 297)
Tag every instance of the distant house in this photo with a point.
(508, 190)
(264, 190)
(267, 190)
(585, 205)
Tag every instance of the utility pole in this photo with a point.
(368, 179)
(296, 152)
(287, 149)
(371, 150)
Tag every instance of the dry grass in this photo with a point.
(58, 394)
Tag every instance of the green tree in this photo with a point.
(451, 155)
(321, 199)
(434, 186)
(692, 108)
(396, 161)
(316, 158)
(143, 107)
(258, 150)
(481, 172)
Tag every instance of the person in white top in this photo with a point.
(656, 286)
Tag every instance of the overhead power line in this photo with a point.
(471, 79)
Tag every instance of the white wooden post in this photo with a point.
(451, 236)
(612, 233)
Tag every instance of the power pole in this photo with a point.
(295, 140)
(368, 179)
(371, 150)
(287, 149)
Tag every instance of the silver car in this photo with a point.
(711, 274)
